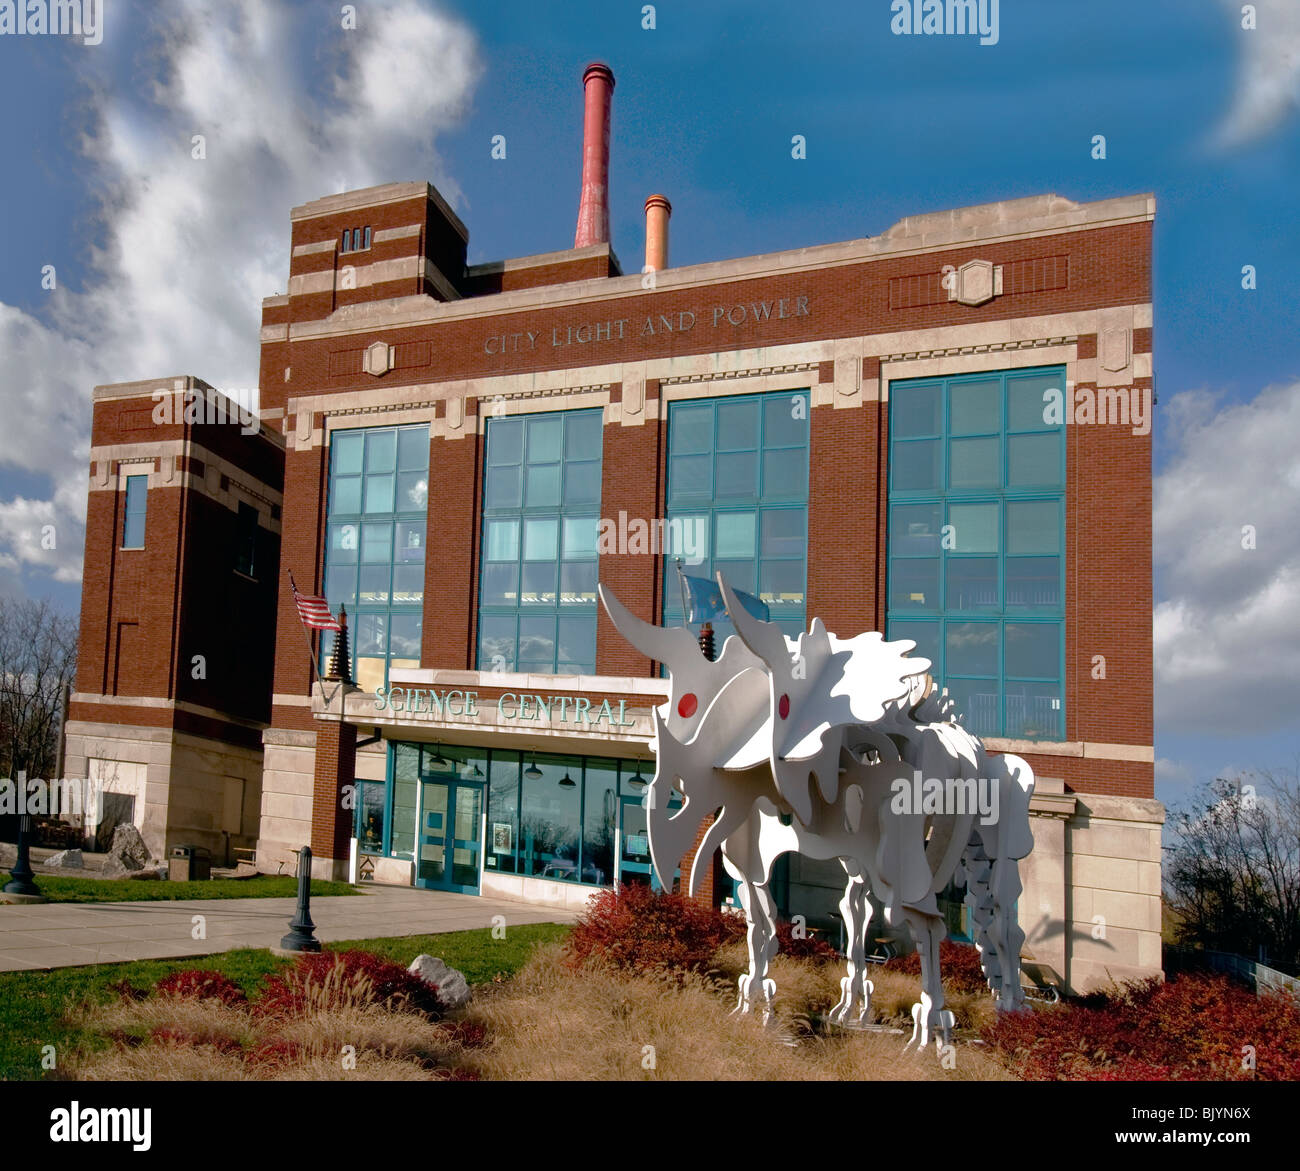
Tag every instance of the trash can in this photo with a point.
(189, 862)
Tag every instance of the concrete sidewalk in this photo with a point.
(62, 935)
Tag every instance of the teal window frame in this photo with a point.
(357, 570)
(135, 512)
(552, 495)
(716, 507)
(925, 563)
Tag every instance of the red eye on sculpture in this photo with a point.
(783, 706)
(687, 705)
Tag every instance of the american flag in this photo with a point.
(313, 612)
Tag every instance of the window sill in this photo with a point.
(245, 576)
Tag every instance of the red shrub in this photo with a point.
(127, 992)
(468, 1034)
(191, 984)
(638, 929)
(278, 1053)
(959, 965)
(809, 947)
(331, 979)
(1196, 1027)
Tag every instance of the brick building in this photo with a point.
(865, 432)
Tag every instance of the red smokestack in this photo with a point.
(593, 210)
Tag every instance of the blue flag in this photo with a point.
(703, 597)
(753, 605)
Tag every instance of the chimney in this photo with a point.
(593, 210)
(657, 211)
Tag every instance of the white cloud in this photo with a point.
(1227, 626)
(1268, 72)
(191, 246)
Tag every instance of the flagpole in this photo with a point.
(681, 582)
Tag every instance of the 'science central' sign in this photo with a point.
(653, 325)
(512, 707)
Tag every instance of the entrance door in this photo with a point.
(634, 864)
(450, 847)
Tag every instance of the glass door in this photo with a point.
(634, 864)
(450, 848)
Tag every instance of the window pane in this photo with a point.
(505, 443)
(412, 491)
(599, 820)
(381, 451)
(1034, 459)
(343, 544)
(501, 584)
(374, 584)
(737, 474)
(413, 449)
(972, 584)
(503, 810)
(977, 703)
(503, 488)
(545, 435)
(914, 410)
(971, 648)
(785, 474)
(975, 528)
(785, 532)
(502, 540)
(914, 528)
(692, 429)
(735, 534)
(914, 583)
(582, 483)
(975, 407)
(583, 434)
(739, 575)
(781, 586)
(404, 639)
(379, 493)
(914, 466)
(1028, 400)
(497, 642)
(687, 537)
(785, 420)
(577, 637)
(549, 830)
(538, 588)
(536, 642)
(738, 426)
(347, 496)
(1033, 650)
(1034, 711)
(974, 463)
(1034, 584)
(542, 486)
(410, 541)
(540, 539)
(341, 586)
(371, 634)
(345, 453)
(1033, 526)
(408, 584)
(579, 537)
(377, 542)
(690, 475)
(578, 583)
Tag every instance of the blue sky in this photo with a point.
(161, 260)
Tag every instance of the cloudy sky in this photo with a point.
(160, 259)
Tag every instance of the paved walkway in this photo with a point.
(63, 935)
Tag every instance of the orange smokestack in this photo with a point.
(593, 209)
(657, 211)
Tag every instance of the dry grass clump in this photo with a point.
(596, 1023)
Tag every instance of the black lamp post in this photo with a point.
(300, 937)
(21, 875)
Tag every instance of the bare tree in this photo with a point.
(38, 662)
(1234, 870)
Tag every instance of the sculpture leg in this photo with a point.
(1008, 937)
(979, 901)
(760, 917)
(855, 988)
(928, 931)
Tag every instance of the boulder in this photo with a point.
(68, 859)
(453, 988)
(128, 845)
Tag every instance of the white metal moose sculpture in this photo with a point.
(835, 749)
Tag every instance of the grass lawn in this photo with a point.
(33, 1004)
(58, 889)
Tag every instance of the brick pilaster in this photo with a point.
(336, 766)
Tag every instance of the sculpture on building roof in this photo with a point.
(835, 749)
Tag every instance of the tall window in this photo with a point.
(374, 560)
(137, 501)
(246, 540)
(541, 499)
(738, 497)
(976, 543)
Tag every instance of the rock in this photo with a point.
(128, 845)
(453, 988)
(68, 859)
